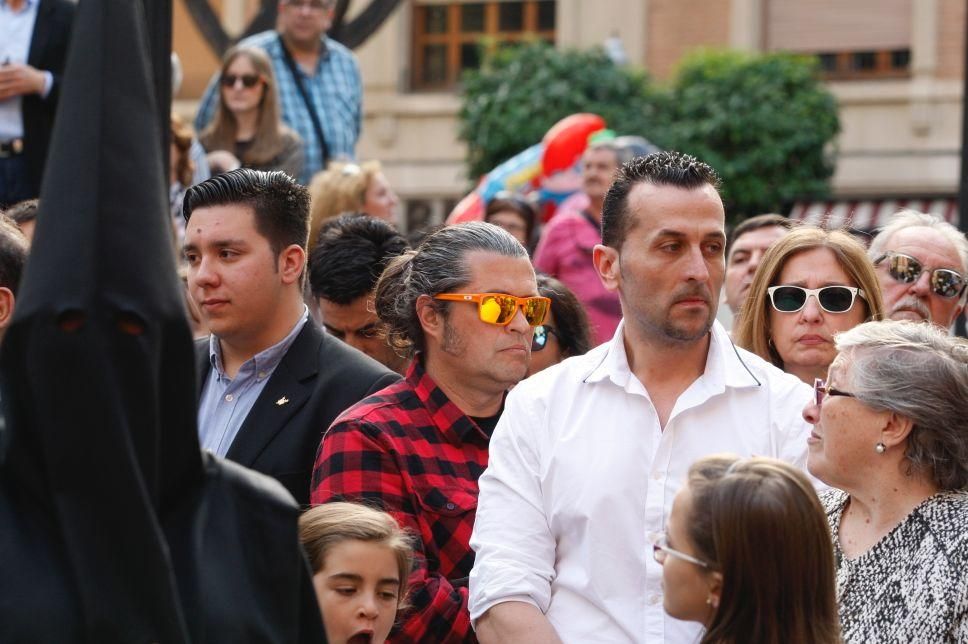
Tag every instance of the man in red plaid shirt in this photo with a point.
(465, 303)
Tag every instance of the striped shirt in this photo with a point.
(335, 89)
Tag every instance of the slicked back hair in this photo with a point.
(438, 265)
(666, 168)
(280, 205)
(350, 254)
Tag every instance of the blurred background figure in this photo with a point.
(344, 265)
(922, 265)
(247, 122)
(811, 284)
(34, 37)
(360, 560)
(745, 246)
(350, 187)
(515, 215)
(565, 332)
(24, 214)
(567, 241)
(181, 170)
(889, 433)
(747, 554)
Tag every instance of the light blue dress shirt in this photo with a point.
(227, 401)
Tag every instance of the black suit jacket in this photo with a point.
(48, 52)
(316, 380)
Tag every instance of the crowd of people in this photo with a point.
(522, 431)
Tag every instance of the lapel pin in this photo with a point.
(282, 401)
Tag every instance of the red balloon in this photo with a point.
(470, 208)
(566, 141)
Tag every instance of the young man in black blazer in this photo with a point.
(271, 380)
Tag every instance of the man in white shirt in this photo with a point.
(589, 455)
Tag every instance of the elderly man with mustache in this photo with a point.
(922, 264)
(588, 456)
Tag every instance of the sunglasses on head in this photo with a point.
(248, 80)
(904, 268)
(500, 308)
(832, 299)
(541, 334)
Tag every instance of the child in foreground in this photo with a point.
(360, 559)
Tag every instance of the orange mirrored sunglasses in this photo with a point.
(500, 308)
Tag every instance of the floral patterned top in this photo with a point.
(912, 586)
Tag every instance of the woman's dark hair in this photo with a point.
(505, 201)
(571, 321)
(760, 524)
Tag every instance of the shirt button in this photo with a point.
(451, 506)
(229, 397)
(655, 599)
(657, 476)
(262, 374)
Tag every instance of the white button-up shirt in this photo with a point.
(581, 477)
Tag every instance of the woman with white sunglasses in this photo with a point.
(811, 284)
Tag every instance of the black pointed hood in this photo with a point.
(101, 412)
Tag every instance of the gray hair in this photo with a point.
(910, 218)
(438, 265)
(918, 371)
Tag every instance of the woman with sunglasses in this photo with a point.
(890, 426)
(246, 122)
(747, 554)
(564, 333)
(811, 284)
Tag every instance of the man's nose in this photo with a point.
(696, 267)
(922, 285)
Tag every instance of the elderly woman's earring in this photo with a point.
(880, 448)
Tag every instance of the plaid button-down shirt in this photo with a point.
(411, 449)
(335, 90)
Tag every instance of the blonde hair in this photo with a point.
(324, 526)
(181, 138)
(753, 332)
(269, 133)
(340, 188)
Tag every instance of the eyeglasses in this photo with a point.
(904, 268)
(500, 308)
(821, 391)
(832, 299)
(661, 549)
(248, 80)
(541, 334)
(312, 5)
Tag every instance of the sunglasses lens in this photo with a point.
(535, 311)
(789, 299)
(904, 269)
(540, 338)
(947, 283)
(836, 299)
(494, 310)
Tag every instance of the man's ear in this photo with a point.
(291, 263)
(431, 318)
(6, 307)
(605, 259)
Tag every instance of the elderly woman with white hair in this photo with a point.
(891, 432)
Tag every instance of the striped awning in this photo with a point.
(868, 214)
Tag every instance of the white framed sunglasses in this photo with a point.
(832, 299)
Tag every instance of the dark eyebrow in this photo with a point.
(366, 327)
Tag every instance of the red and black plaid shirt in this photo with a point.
(411, 449)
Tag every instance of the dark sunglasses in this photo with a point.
(904, 268)
(248, 80)
(540, 338)
(832, 299)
